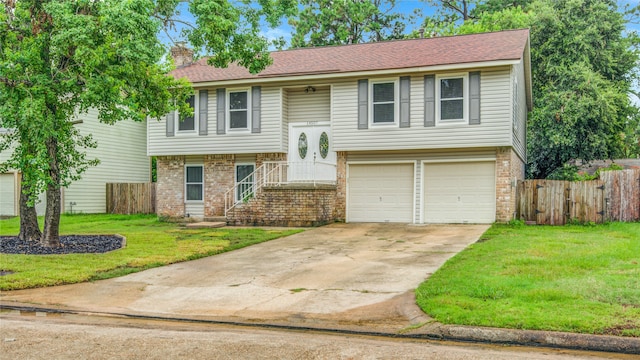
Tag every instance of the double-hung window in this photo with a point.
(383, 102)
(238, 110)
(187, 123)
(194, 182)
(452, 98)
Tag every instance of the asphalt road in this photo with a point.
(74, 337)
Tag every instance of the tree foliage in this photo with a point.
(583, 68)
(60, 58)
(337, 22)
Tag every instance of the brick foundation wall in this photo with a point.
(509, 170)
(170, 186)
(219, 174)
(299, 205)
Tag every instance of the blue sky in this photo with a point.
(403, 6)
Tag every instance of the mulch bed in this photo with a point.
(70, 244)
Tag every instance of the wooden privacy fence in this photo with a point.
(131, 198)
(613, 197)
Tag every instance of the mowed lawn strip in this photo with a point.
(150, 243)
(574, 278)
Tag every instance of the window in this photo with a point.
(239, 110)
(451, 98)
(194, 181)
(188, 123)
(244, 180)
(383, 98)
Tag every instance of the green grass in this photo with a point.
(573, 278)
(150, 243)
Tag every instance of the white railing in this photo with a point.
(276, 173)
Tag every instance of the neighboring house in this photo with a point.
(410, 131)
(121, 151)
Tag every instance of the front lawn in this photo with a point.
(150, 243)
(572, 278)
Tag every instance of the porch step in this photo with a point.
(214, 219)
(206, 224)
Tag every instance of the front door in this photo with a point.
(311, 156)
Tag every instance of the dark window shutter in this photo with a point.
(363, 104)
(429, 100)
(474, 98)
(256, 93)
(221, 110)
(405, 101)
(171, 123)
(203, 112)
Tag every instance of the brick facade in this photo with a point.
(170, 186)
(340, 210)
(219, 173)
(509, 170)
(289, 205)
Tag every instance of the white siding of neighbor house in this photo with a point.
(268, 140)
(437, 156)
(519, 110)
(494, 130)
(122, 154)
(309, 107)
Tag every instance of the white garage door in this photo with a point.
(7, 195)
(462, 192)
(380, 193)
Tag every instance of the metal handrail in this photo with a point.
(276, 173)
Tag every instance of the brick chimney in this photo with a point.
(181, 54)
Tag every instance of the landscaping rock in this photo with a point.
(70, 244)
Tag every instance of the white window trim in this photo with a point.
(514, 104)
(465, 99)
(396, 102)
(185, 183)
(235, 176)
(196, 117)
(228, 109)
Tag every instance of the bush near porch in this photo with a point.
(150, 243)
(573, 278)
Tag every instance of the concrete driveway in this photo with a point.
(344, 274)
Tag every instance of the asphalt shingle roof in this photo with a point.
(399, 54)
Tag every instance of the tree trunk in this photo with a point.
(29, 230)
(51, 234)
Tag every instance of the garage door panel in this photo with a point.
(380, 192)
(459, 192)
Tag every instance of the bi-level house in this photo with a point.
(411, 131)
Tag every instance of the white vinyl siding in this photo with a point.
(519, 111)
(462, 192)
(121, 151)
(8, 193)
(380, 192)
(243, 142)
(494, 130)
(308, 106)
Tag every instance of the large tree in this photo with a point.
(583, 66)
(60, 58)
(338, 22)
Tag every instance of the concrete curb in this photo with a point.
(431, 331)
(552, 339)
